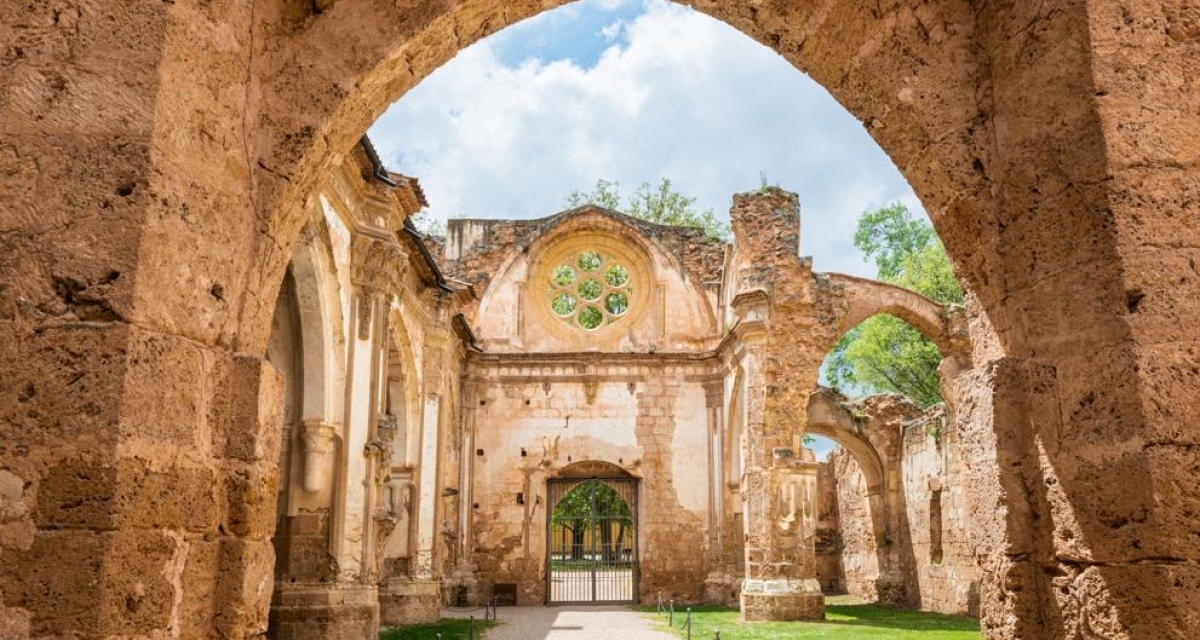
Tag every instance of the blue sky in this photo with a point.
(635, 90)
(575, 32)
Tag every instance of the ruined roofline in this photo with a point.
(391, 178)
(547, 222)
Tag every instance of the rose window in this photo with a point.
(589, 290)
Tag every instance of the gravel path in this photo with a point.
(571, 623)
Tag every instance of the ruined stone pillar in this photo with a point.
(720, 582)
(779, 487)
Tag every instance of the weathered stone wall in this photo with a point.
(672, 279)
(647, 416)
(829, 538)
(935, 490)
(475, 250)
(358, 324)
(859, 548)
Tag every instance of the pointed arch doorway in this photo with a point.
(591, 536)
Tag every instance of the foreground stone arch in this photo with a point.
(355, 57)
(156, 156)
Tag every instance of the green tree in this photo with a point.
(573, 514)
(660, 204)
(883, 353)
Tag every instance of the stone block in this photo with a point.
(99, 494)
(198, 582)
(405, 602)
(138, 582)
(164, 401)
(244, 586)
(325, 612)
(57, 581)
(250, 494)
(253, 425)
(1133, 601)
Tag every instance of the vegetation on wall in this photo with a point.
(885, 354)
(660, 204)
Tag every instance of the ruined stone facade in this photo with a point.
(160, 161)
(686, 386)
(363, 337)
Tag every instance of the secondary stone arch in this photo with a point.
(320, 320)
(828, 416)
(864, 298)
(831, 419)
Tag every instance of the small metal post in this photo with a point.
(689, 623)
(671, 615)
(472, 629)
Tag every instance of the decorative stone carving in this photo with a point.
(590, 389)
(318, 443)
(796, 504)
(377, 264)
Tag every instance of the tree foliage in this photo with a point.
(660, 204)
(611, 520)
(577, 504)
(883, 353)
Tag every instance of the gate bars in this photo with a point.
(591, 540)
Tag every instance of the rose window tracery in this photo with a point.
(590, 289)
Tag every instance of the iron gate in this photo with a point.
(591, 540)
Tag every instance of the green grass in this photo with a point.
(843, 622)
(450, 628)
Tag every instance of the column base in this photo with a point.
(782, 600)
(403, 601)
(324, 612)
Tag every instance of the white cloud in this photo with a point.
(612, 31)
(681, 96)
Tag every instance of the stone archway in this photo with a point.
(151, 205)
(883, 497)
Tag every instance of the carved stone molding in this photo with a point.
(377, 264)
(318, 441)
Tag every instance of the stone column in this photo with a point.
(416, 597)
(348, 606)
(779, 492)
(720, 584)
